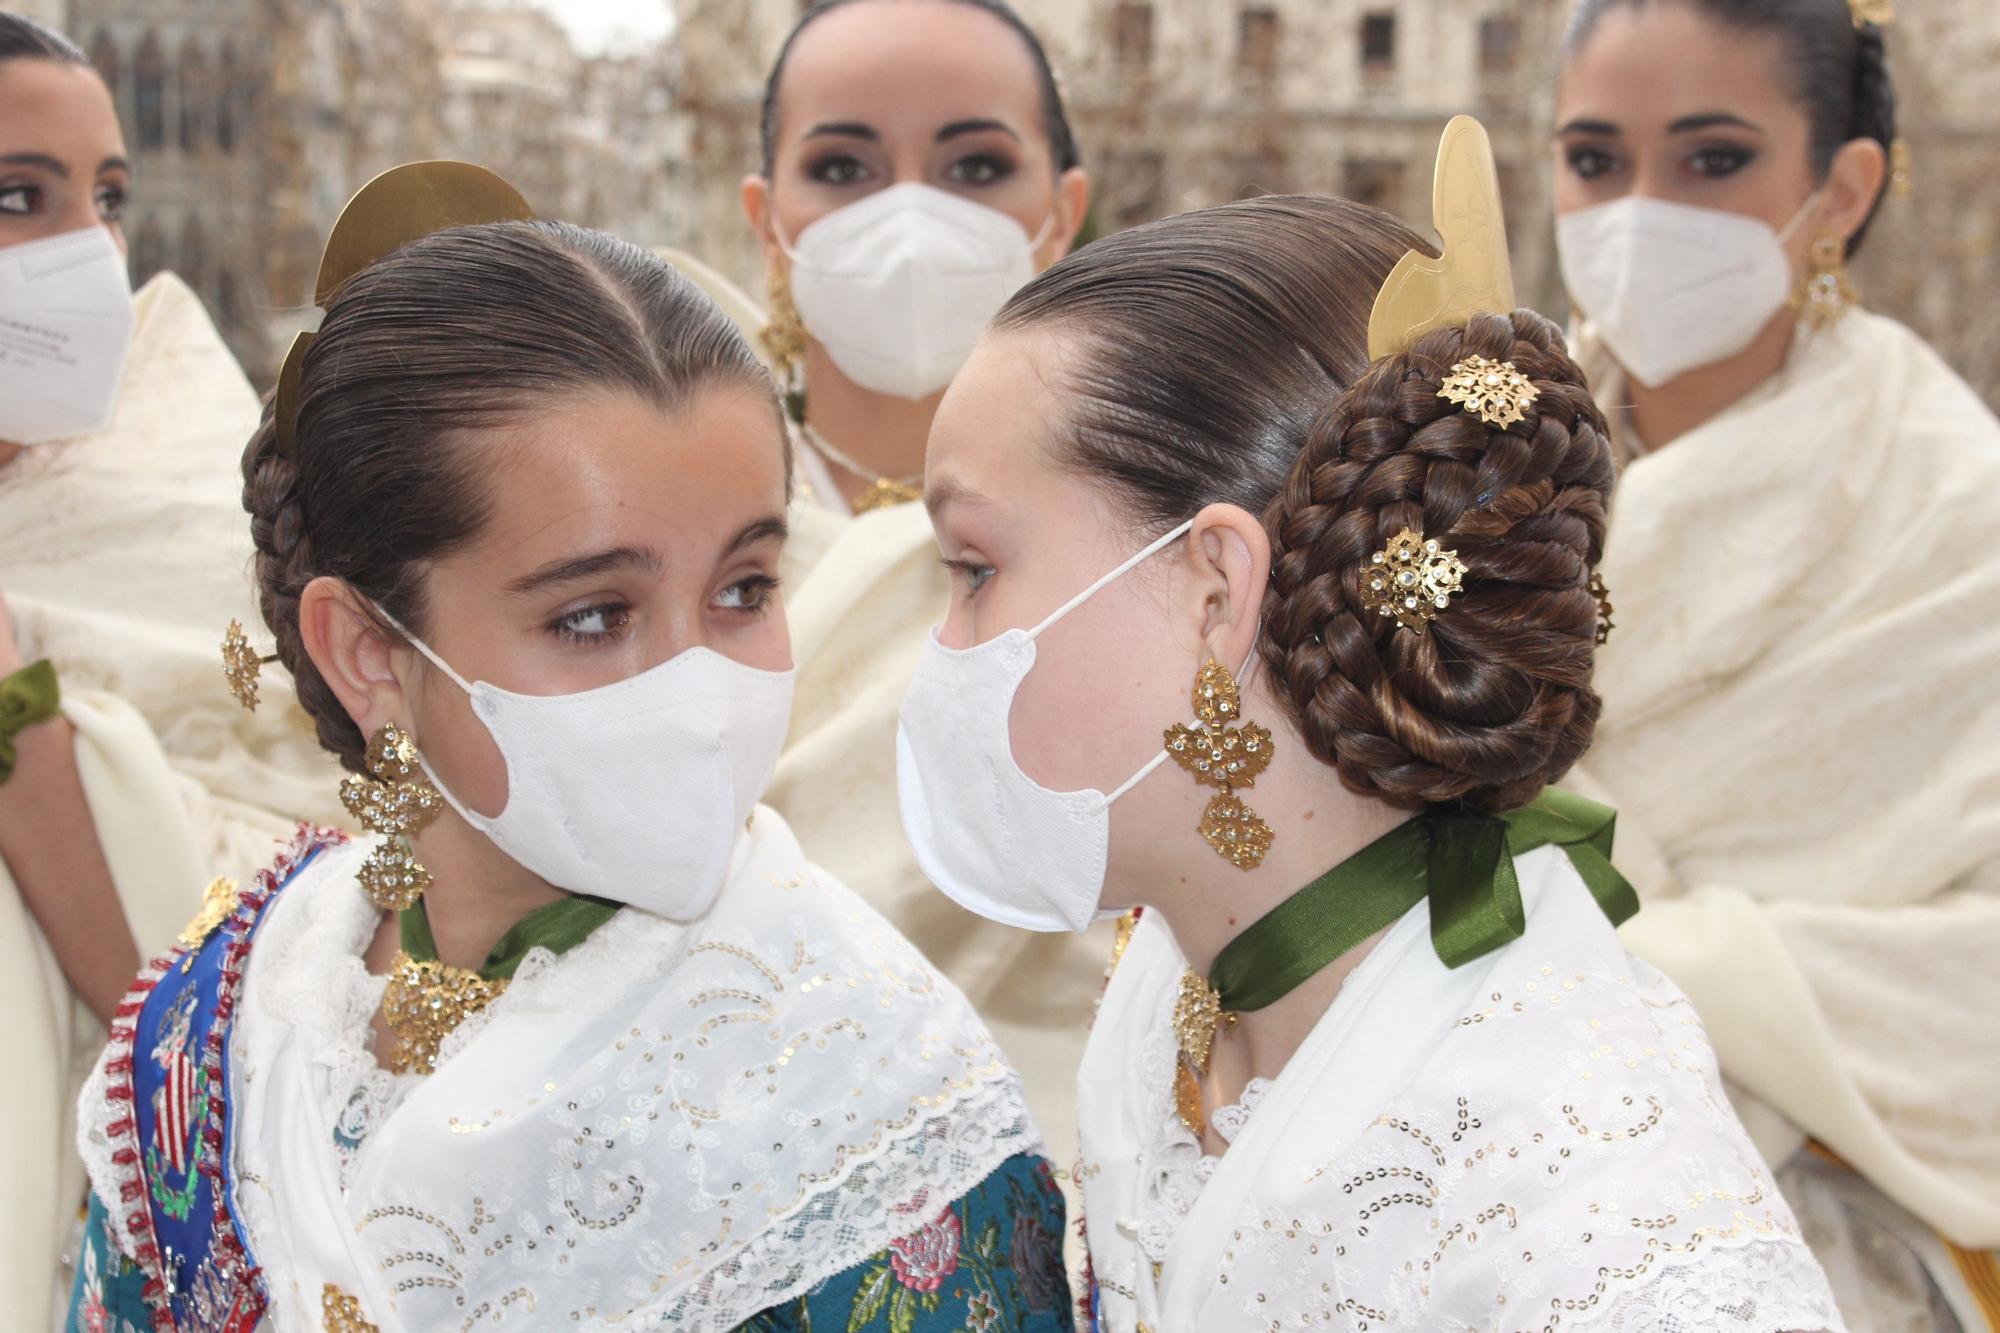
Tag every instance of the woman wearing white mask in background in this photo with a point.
(1801, 721)
(580, 1038)
(126, 776)
(918, 168)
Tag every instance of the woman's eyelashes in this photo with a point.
(974, 170)
(111, 201)
(748, 596)
(972, 574)
(1715, 161)
(598, 624)
(1589, 161)
(19, 201)
(838, 169)
(979, 169)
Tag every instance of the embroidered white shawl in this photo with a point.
(1536, 1140)
(667, 1126)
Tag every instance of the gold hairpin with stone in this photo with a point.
(401, 206)
(1471, 276)
(241, 665)
(1412, 579)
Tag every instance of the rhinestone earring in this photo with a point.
(1225, 752)
(1828, 293)
(397, 802)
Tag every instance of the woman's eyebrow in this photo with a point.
(846, 129)
(962, 127)
(42, 160)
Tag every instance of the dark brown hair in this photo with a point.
(1833, 69)
(21, 38)
(451, 335)
(1062, 142)
(1223, 358)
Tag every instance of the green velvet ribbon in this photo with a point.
(1463, 862)
(558, 927)
(27, 697)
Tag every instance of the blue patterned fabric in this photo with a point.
(990, 1261)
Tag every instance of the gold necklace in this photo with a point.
(881, 491)
(1198, 1016)
(424, 1003)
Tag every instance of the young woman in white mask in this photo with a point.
(578, 1037)
(918, 167)
(126, 779)
(1809, 606)
(1256, 591)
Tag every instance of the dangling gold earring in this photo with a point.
(1827, 294)
(1226, 752)
(783, 336)
(399, 802)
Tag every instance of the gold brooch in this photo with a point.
(241, 665)
(1198, 1015)
(218, 904)
(1412, 579)
(343, 1312)
(1493, 391)
(1222, 753)
(424, 1003)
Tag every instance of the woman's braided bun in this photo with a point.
(1493, 702)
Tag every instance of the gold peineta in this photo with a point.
(402, 205)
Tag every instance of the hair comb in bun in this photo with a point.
(402, 205)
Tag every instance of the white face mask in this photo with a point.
(898, 286)
(634, 791)
(65, 327)
(1671, 287)
(992, 838)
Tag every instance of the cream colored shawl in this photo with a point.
(862, 595)
(122, 557)
(1802, 736)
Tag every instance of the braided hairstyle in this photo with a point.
(1221, 357)
(1834, 70)
(418, 354)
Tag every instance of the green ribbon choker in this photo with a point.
(558, 927)
(1464, 863)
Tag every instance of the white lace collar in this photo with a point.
(668, 1124)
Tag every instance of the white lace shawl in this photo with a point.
(669, 1124)
(1536, 1141)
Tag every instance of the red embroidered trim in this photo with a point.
(226, 1251)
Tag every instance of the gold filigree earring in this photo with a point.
(783, 336)
(1225, 752)
(398, 802)
(1828, 293)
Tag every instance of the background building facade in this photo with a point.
(252, 121)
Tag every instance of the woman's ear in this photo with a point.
(1227, 567)
(757, 208)
(1072, 206)
(1853, 183)
(352, 654)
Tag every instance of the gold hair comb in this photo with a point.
(1472, 276)
(402, 205)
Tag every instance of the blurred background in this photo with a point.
(250, 122)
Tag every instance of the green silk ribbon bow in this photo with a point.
(558, 927)
(1463, 862)
(27, 697)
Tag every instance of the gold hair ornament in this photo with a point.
(402, 205)
(1228, 753)
(1881, 13)
(1605, 624)
(1413, 578)
(241, 665)
(1472, 276)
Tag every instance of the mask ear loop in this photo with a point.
(425, 649)
(1151, 550)
(1805, 209)
(465, 812)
